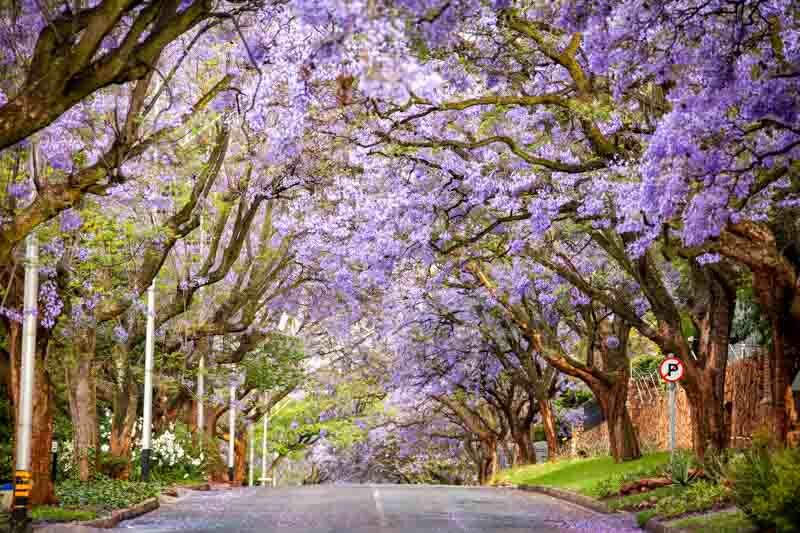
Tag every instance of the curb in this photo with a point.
(569, 496)
(654, 525)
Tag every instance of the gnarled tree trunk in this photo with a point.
(125, 407)
(624, 445)
(82, 394)
(784, 357)
(704, 381)
(549, 424)
(489, 461)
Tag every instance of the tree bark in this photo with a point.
(125, 410)
(784, 356)
(216, 465)
(704, 380)
(82, 395)
(524, 453)
(488, 463)
(549, 424)
(240, 450)
(623, 442)
(125, 407)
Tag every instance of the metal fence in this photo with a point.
(743, 350)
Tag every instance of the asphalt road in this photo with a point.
(372, 509)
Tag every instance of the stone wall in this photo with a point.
(744, 386)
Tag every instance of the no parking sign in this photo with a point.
(671, 369)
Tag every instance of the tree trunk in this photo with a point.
(215, 462)
(784, 357)
(704, 379)
(240, 454)
(549, 424)
(522, 438)
(623, 443)
(488, 464)
(125, 405)
(82, 393)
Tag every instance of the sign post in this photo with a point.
(540, 451)
(671, 370)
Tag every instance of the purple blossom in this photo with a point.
(70, 220)
(120, 334)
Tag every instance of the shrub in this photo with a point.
(715, 464)
(699, 496)
(6, 460)
(677, 469)
(175, 456)
(104, 494)
(646, 364)
(765, 484)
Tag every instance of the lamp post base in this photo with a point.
(146, 465)
(20, 521)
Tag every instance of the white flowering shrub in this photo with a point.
(174, 455)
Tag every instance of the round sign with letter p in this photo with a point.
(671, 369)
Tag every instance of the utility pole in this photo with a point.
(672, 414)
(22, 475)
(264, 443)
(148, 380)
(232, 433)
(201, 367)
(201, 391)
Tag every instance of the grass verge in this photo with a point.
(643, 516)
(52, 513)
(594, 477)
(721, 522)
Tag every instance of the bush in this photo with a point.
(175, 456)
(699, 496)
(677, 469)
(715, 464)
(646, 364)
(765, 484)
(104, 494)
(6, 460)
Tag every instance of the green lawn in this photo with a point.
(52, 513)
(722, 522)
(587, 476)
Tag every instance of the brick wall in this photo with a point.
(744, 386)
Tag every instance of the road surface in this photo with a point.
(373, 509)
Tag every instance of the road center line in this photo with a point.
(379, 506)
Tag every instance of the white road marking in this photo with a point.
(379, 506)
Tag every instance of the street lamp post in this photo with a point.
(232, 433)
(201, 391)
(148, 381)
(201, 367)
(264, 443)
(22, 475)
(251, 428)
